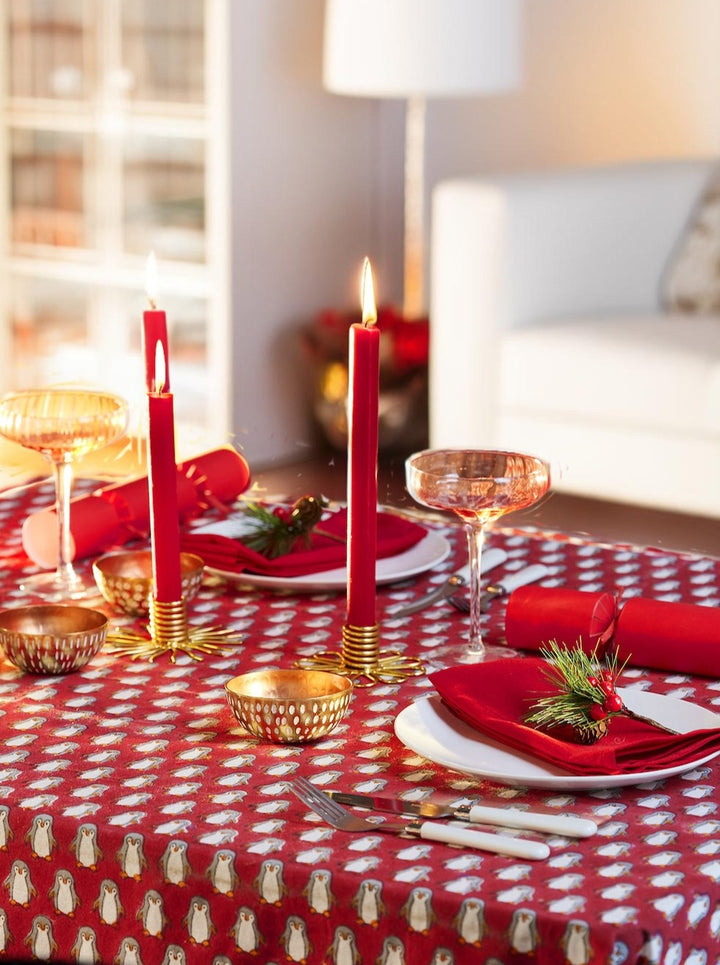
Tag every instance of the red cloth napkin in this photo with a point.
(395, 535)
(495, 697)
(116, 514)
(679, 637)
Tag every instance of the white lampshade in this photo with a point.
(406, 48)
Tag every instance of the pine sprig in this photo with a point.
(275, 531)
(585, 700)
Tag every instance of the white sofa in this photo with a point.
(548, 335)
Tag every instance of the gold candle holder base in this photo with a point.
(362, 660)
(170, 634)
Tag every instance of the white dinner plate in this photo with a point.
(431, 729)
(431, 550)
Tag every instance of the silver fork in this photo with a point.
(339, 817)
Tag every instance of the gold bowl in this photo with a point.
(125, 579)
(289, 706)
(51, 638)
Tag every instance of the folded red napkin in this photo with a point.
(495, 698)
(116, 514)
(395, 535)
(679, 637)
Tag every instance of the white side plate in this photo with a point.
(429, 728)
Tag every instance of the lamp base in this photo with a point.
(170, 634)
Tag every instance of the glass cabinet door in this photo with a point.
(107, 120)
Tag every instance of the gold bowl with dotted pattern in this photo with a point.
(51, 638)
(125, 579)
(289, 706)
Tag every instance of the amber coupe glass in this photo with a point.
(62, 424)
(478, 485)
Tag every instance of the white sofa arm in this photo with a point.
(521, 249)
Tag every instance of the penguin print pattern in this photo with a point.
(141, 825)
(63, 894)
(132, 857)
(40, 837)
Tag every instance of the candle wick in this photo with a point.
(152, 304)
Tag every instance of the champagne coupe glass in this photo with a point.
(478, 485)
(62, 424)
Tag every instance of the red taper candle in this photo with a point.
(162, 480)
(364, 367)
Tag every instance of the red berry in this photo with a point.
(613, 704)
(607, 687)
(593, 681)
(597, 712)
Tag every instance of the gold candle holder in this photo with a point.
(170, 634)
(362, 660)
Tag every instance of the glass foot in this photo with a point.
(55, 588)
(452, 655)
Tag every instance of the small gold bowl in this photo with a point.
(289, 706)
(51, 638)
(125, 579)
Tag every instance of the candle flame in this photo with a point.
(160, 368)
(369, 311)
(151, 279)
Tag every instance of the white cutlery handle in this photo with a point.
(469, 838)
(527, 575)
(532, 821)
(490, 558)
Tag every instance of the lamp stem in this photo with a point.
(414, 241)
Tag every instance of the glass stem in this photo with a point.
(63, 472)
(475, 535)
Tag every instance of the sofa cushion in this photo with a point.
(650, 372)
(692, 279)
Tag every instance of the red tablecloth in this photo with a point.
(139, 823)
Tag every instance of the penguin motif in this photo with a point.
(40, 940)
(174, 955)
(245, 931)
(418, 910)
(442, 956)
(393, 952)
(84, 951)
(5, 935)
(576, 943)
(270, 884)
(131, 856)
(174, 863)
(63, 894)
(40, 837)
(523, 931)
(198, 922)
(222, 873)
(5, 831)
(128, 953)
(152, 914)
(344, 949)
(108, 904)
(19, 884)
(87, 852)
(470, 921)
(317, 891)
(368, 902)
(295, 940)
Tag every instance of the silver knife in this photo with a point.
(491, 557)
(564, 824)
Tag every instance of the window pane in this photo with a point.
(162, 48)
(165, 198)
(46, 52)
(47, 188)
